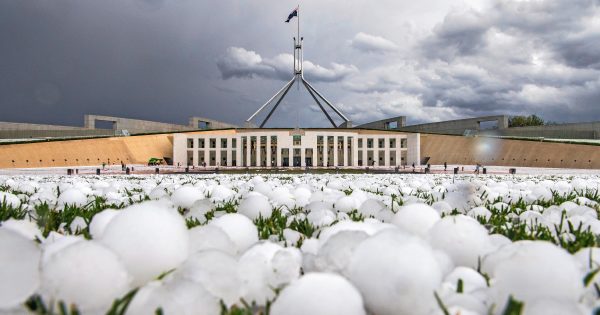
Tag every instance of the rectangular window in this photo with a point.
(392, 143)
(234, 143)
(274, 140)
(190, 143)
(403, 143)
(360, 145)
(224, 143)
(201, 143)
(297, 140)
(369, 143)
(381, 143)
(213, 143)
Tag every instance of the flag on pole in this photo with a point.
(294, 13)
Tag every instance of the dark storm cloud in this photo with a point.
(170, 59)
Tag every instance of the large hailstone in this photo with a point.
(9, 199)
(396, 273)
(416, 218)
(239, 228)
(536, 270)
(185, 196)
(255, 206)
(335, 253)
(319, 294)
(205, 237)
(149, 239)
(267, 266)
(216, 271)
(371, 207)
(178, 296)
(19, 259)
(462, 238)
(72, 197)
(346, 204)
(100, 220)
(85, 274)
(26, 228)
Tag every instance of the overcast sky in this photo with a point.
(167, 60)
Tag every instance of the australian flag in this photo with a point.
(294, 13)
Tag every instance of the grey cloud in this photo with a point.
(459, 34)
(241, 63)
(372, 44)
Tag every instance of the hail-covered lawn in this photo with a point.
(307, 244)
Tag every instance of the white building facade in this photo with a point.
(345, 148)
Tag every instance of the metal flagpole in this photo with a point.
(299, 76)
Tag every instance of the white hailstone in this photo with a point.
(542, 193)
(210, 237)
(255, 206)
(77, 225)
(173, 297)
(263, 188)
(149, 239)
(478, 212)
(291, 237)
(19, 258)
(588, 258)
(199, 210)
(239, 228)
(100, 220)
(216, 271)
(499, 240)
(335, 253)
(310, 246)
(26, 228)
(157, 193)
(568, 206)
(86, 274)
(396, 273)
(185, 196)
(302, 195)
(584, 211)
(346, 204)
(9, 199)
(370, 229)
(416, 218)
(554, 307)
(51, 248)
(72, 197)
(319, 294)
(442, 207)
(321, 217)
(471, 279)
(458, 200)
(462, 238)
(371, 207)
(536, 270)
(221, 193)
(464, 304)
(257, 271)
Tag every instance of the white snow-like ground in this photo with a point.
(382, 244)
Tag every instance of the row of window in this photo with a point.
(297, 141)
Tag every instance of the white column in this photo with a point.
(238, 151)
(386, 154)
(345, 150)
(218, 152)
(355, 150)
(325, 146)
(268, 147)
(398, 152)
(248, 150)
(335, 150)
(258, 153)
